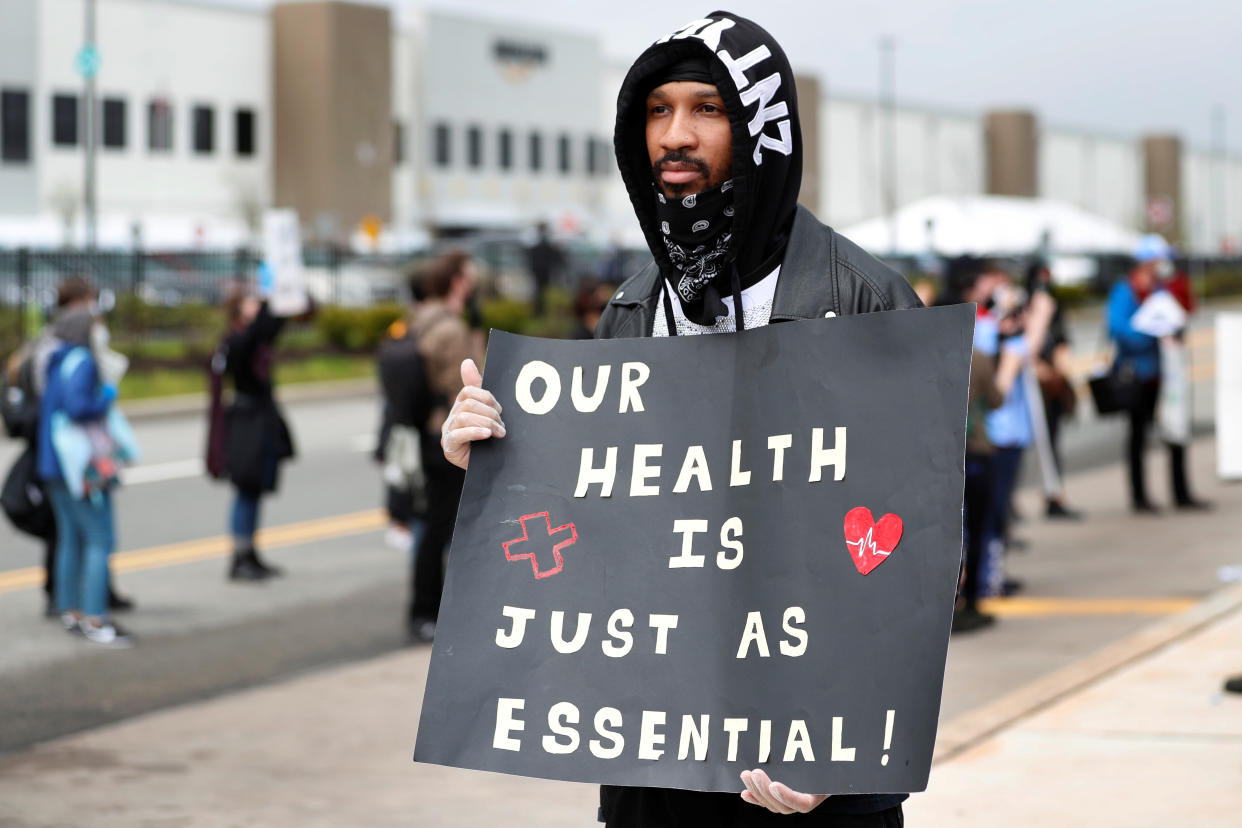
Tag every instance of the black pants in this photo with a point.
(444, 484)
(977, 496)
(665, 808)
(400, 505)
(1053, 412)
(1142, 415)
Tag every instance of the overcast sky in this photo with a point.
(1118, 66)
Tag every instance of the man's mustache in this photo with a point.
(679, 157)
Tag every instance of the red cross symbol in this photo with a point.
(532, 552)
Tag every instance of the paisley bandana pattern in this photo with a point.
(697, 230)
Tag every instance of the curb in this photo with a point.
(969, 729)
(182, 405)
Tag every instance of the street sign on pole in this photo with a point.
(86, 62)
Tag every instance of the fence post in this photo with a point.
(334, 266)
(241, 264)
(23, 291)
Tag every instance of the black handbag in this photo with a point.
(1115, 390)
(24, 501)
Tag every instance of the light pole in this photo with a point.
(1221, 165)
(88, 63)
(888, 176)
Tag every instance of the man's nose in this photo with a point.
(680, 133)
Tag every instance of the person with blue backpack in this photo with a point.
(82, 441)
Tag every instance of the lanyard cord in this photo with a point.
(739, 322)
(668, 308)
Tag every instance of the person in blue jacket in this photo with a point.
(1138, 362)
(84, 527)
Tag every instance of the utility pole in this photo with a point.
(88, 64)
(1220, 162)
(888, 104)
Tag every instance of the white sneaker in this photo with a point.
(72, 625)
(400, 539)
(106, 634)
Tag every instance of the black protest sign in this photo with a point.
(695, 556)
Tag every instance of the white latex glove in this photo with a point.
(475, 415)
(776, 797)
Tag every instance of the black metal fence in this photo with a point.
(161, 282)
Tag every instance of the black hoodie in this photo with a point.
(755, 80)
(753, 77)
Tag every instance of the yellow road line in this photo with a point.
(152, 557)
(1032, 606)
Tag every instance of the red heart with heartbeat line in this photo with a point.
(870, 541)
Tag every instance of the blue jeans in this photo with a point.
(84, 539)
(245, 520)
(1006, 462)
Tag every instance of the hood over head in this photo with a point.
(74, 326)
(754, 79)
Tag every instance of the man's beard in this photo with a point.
(683, 157)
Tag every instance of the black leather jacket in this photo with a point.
(822, 274)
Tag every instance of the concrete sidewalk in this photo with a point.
(1156, 743)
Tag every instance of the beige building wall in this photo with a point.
(332, 93)
(809, 93)
(1162, 185)
(1012, 141)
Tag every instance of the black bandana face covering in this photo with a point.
(697, 230)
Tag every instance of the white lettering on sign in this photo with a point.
(506, 724)
(693, 734)
(650, 739)
(633, 375)
(694, 741)
(695, 465)
(560, 715)
(582, 402)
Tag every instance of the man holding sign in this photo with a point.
(709, 146)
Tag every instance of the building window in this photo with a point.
(65, 120)
(243, 132)
(204, 130)
(114, 123)
(14, 125)
(505, 149)
(443, 145)
(398, 143)
(563, 155)
(536, 152)
(592, 159)
(603, 156)
(159, 126)
(474, 147)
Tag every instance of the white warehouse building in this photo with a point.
(415, 124)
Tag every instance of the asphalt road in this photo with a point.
(344, 592)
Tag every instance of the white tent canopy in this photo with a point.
(991, 225)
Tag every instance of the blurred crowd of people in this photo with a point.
(1023, 389)
(61, 388)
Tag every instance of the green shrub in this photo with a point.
(1072, 296)
(356, 329)
(1222, 281)
(505, 314)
